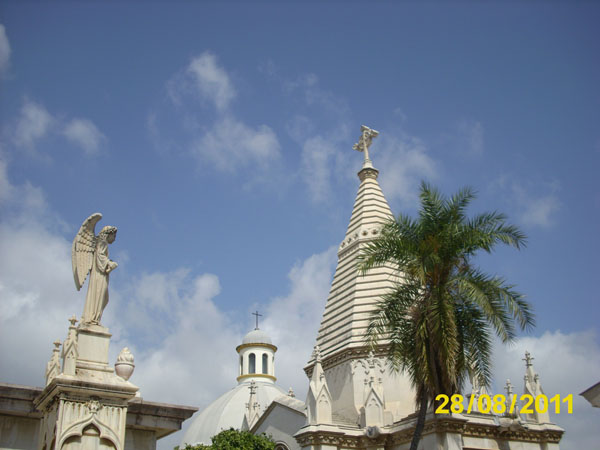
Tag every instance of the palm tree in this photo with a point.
(440, 317)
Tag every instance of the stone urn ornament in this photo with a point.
(124, 365)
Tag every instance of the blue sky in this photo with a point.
(217, 137)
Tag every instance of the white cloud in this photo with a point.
(406, 162)
(314, 95)
(536, 210)
(23, 204)
(318, 161)
(470, 137)
(537, 203)
(33, 124)
(5, 187)
(4, 51)
(567, 363)
(232, 144)
(211, 80)
(83, 133)
(190, 341)
(293, 320)
(328, 159)
(204, 78)
(540, 211)
(325, 161)
(228, 144)
(36, 283)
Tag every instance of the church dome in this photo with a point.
(228, 411)
(256, 386)
(257, 337)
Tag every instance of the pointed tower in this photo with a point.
(350, 303)
(533, 387)
(318, 399)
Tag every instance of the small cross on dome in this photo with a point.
(257, 316)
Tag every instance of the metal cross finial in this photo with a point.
(528, 359)
(364, 142)
(257, 315)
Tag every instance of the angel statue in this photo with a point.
(90, 255)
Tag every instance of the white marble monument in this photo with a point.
(84, 403)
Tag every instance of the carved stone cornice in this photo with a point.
(339, 439)
(367, 172)
(350, 244)
(520, 433)
(462, 426)
(347, 354)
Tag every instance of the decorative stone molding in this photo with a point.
(368, 172)
(341, 440)
(108, 420)
(523, 433)
(369, 364)
(53, 366)
(348, 354)
(70, 351)
(243, 346)
(256, 375)
(351, 244)
(461, 425)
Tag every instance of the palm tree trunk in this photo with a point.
(420, 423)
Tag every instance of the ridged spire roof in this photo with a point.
(352, 297)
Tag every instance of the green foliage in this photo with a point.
(440, 318)
(235, 440)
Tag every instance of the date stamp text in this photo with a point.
(499, 404)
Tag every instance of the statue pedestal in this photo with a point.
(87, 405)
(92, 347)
(82, 411)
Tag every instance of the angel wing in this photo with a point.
(82, 252)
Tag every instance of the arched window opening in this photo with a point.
(252, 363)
(265, 365)
(281, 446)
(241, 365)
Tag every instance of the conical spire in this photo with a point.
(318, 399)
(353, 297)
(533, 387)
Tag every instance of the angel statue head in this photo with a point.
(90, 255)
(108, 233)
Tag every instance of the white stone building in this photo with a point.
(241, 407)
(354, 401)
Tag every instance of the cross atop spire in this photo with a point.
(257, 316)
(364, 142)
(508, 387)
(528, 358)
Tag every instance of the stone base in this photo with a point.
(71, 404)
(92, 347)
